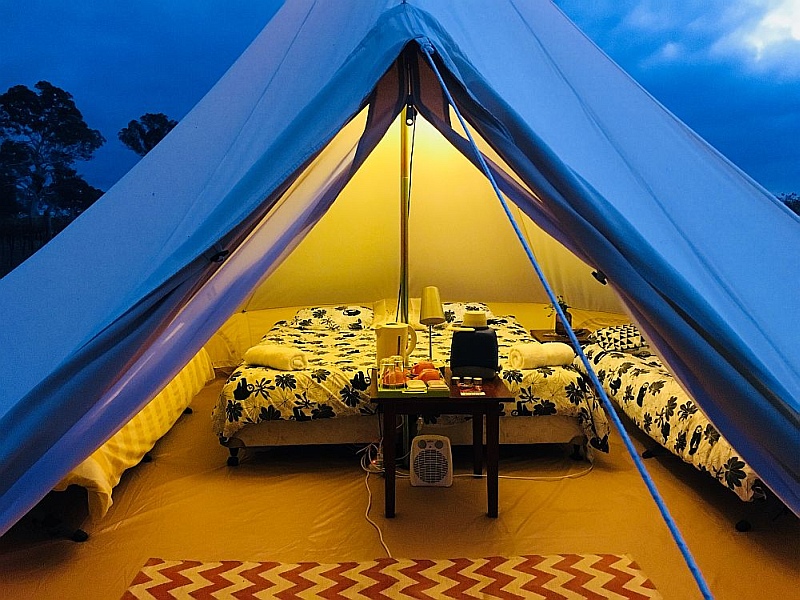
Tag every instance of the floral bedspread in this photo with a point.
(335, 383)
(648, 393)
(340, 348)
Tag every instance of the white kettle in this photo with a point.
(393, 339)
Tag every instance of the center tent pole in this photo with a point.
(407, 124)
(406, 149)
(405, 195)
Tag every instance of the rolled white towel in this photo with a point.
(533, 355)
(284, 358)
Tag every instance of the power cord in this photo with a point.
(557, 478)
(372, 464)
(372, 458)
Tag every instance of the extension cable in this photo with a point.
(370, 464)
(377, 462)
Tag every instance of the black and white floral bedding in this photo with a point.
(648, 393)
(340, 346)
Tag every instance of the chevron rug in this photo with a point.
(558, 576)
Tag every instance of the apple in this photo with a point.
(421, 366)
(429, 374)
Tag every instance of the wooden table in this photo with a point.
(488, 406)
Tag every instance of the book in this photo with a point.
(437, 384)
(415, 386)
(437, 387)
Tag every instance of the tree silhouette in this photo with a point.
(42, 136)
(791, 200)
(74, 193)
(143, 134)
(8, 195)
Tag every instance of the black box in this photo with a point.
(473, 353)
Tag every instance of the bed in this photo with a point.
(640, 385)
(327, 402)
(101, 472)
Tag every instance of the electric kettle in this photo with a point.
(393, 339)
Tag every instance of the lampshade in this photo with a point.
(430, 310)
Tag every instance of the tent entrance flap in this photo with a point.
(676, 534)
(647, 237)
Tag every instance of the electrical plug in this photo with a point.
(377, 462)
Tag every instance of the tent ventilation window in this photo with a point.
(637, 460)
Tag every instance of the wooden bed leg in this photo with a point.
(578, 452)
(760, 509)
(233, 459)
(651, 452)
(743, 525)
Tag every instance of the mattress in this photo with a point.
(339, 344)
(654, 400)
(101, 471)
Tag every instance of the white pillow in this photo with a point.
(334, 317)
(454, 311)
(385, 311)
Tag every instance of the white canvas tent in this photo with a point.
(103, 316)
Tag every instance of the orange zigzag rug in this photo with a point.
(560, 576)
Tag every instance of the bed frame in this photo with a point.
(100, 472)
(553, 429)
(538, 423)
(647, 393)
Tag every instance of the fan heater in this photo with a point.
(431, 461)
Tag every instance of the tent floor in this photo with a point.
(295, 504)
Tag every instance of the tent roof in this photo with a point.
(696, 249)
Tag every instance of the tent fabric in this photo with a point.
(695, 249)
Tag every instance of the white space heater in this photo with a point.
(431, 461)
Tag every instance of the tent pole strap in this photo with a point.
(428, 49)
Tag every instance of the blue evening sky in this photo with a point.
(730, 69)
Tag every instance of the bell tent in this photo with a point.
(276, 176)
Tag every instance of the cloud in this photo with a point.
(699, 59)
(729, 68)
(769, 42)
(652, 17)
(779, 25)
(760, 36)
(671, 51)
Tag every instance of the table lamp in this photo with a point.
(431, 313)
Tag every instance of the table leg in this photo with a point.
(492, 457)
(389, 441)
(477, 443)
